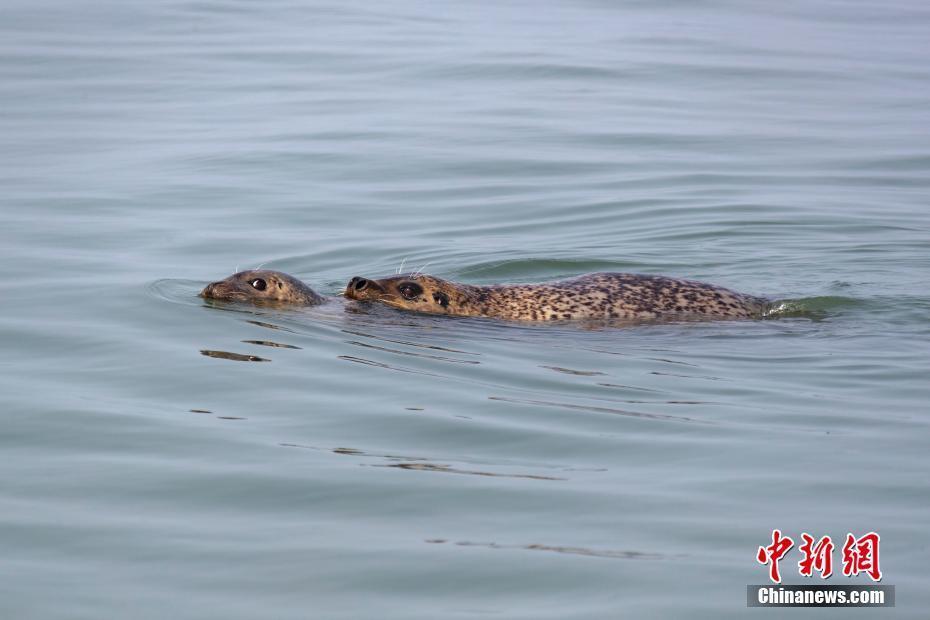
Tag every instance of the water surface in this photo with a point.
(169, 457)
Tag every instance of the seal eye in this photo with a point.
(258, 284)
(441, 298)
(409, 290)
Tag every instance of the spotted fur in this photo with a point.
(598, 296)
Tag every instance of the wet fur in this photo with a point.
(598, 296)
(280, 289)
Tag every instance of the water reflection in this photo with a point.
(236, 357)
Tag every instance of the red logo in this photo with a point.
(773, 553)
(860, 555)
(817, 557)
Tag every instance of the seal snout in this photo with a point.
(363, 288)
(218, 290)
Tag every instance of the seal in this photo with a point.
(597, 296)
(263, 286)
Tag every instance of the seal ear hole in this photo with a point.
(280, 285)
(441, 298)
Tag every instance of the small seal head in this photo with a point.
(419, 292)
(262, 286)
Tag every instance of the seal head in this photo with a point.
(418, 292)
(262, 286)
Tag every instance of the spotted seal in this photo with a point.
(597, 296)
(263, 286)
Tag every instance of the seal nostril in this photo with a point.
(359, 284)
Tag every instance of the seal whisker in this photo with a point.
(420, 270)
(401, 268)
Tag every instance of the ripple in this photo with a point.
(595, 409)
(816, 308)
(569, 371)
(269, 343)
(594, 553)
(411, 463)
(176, 290)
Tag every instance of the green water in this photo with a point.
(386, 465)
